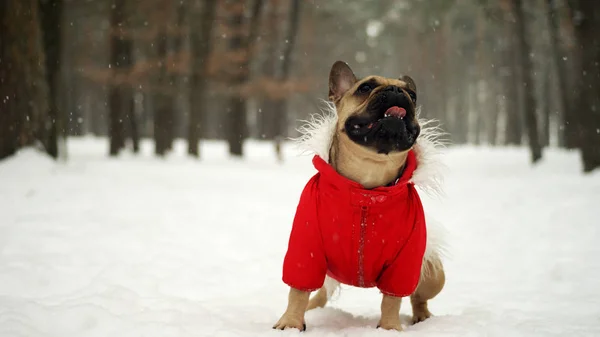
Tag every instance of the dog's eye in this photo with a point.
(412, 94)
(364, 88)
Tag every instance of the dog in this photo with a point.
(360, 220)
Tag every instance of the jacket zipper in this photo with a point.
(361, 246)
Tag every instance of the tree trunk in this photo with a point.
(529, 101)
(444, 73)
(561, 72)
(173, 77)
(23, 82)
(573, 130)
(200, 49)
(162, 99)
(120, 58)
(458, 123)
(478, 88)
(572, 126)
(236, 111)
(475, 111)
(51, 17)
(238, 70)
(134, 130)
(546, 105)
(267, 110)
(513, 127)
(588, 42)
(494, 111)
(281, 103)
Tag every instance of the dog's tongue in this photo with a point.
(396, 111)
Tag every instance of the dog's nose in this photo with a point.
(393, 89)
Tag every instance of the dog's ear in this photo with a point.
(410, 83)
(341, 78)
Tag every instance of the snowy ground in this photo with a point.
(176, 247)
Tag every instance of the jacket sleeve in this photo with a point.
(304, 265)
(402, 276)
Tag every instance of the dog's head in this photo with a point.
(375, 112)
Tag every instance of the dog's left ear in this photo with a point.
(341, 79)
(410, 83)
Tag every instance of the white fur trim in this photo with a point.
(330, 285)
(316, 138)
(317, 133)
(436, 248)
(428, 175)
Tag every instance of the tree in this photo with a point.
(512, 76)
(162, 98)
(280, 106)
(165, 92)
(588, 44)
(270, 38)
(201, 41)
(120, 61)
(559, 65)
(51, 18)
(23, 82)
(174, 58)
(237, 69)
(524, 48)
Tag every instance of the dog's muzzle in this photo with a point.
(388, 123)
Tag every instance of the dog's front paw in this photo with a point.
(420, 315)
(390, 324)
(290, 321)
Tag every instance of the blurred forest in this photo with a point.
(498, 73)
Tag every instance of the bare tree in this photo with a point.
(559, 64)
(280, 104)
(529, 107)
(201, 41)
(271, 37)
(120, 61)
(588, 43)
(178, 36)
(237, 69)
(513, 130)
(163, 121)
(51, 18)
(23, 83)
(546, 102)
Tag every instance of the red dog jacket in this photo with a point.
(359, 237)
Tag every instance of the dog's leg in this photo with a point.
(324, 294)
(390, 313)
(432, 281)
(319, 300)
(293, 317)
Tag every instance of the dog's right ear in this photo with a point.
(341, 78)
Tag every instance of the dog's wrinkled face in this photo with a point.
(375, 112)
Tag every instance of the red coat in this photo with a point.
(359, 237)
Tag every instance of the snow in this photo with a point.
(140, 246)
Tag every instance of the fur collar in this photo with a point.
(317, 135)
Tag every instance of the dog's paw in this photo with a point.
(420, 316)
(392, 324)
(289, 322)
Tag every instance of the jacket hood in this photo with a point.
(317, 136)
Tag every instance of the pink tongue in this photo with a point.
(396, 111)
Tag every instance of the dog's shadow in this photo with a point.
(331, 318)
